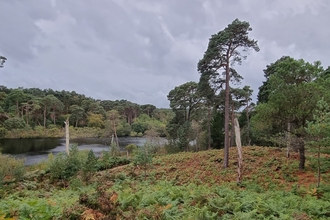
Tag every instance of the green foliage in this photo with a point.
(107, 161)
(217, 131)
(162, 200)
(65, 166)
(2, 60)
(11, 169)
(186, 103)
(37, 107)
(184, 136)
(123, 129)
(77, 114)
(85, 132)
(131, 148)
(171, 148)
(134, 134)
(114, 149)
(14, 123)
(90, 164)
(144, 123)
(139, 127)
(143, 157)
(319, 128)
(171, 191)
(39, 129)
(38, 132)
(3, 132)
(289, 96)
(185, 98)
(36, 204)
(95, 120)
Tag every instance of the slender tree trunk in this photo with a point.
(302, 157)
(239, 150)
(209, 127)
(226, 147)
(189, 113)
(288, 140)
(67, 136)
(318, 167)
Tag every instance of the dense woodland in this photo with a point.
(292, 115)
(38, 111)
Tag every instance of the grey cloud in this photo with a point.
(140, 50)
(19, 31)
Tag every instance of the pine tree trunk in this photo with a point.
(288, 140)
(226, 147)
(302, 157)
(318, 167)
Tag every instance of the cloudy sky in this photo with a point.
(139, 50)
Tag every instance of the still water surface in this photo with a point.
(35, 150)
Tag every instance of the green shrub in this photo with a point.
(131, 148)
(90, 165)
(35, 205)
(114, 148)
(53, 130)
(11, 169)
(3, 132)
(172, 148)
(65, 166)
(57, 166)
(106, 161)
(135, 134)
(14, 123)
(143, 157)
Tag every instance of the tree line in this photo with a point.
(33, 108)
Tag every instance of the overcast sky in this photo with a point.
(139, 50)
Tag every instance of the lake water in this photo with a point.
(35, 150)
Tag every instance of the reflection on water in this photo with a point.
(19, 146)
(35, 150)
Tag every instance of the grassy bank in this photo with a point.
(54, 132)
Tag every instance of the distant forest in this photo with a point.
(33, 109)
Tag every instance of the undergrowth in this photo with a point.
(176, 186)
